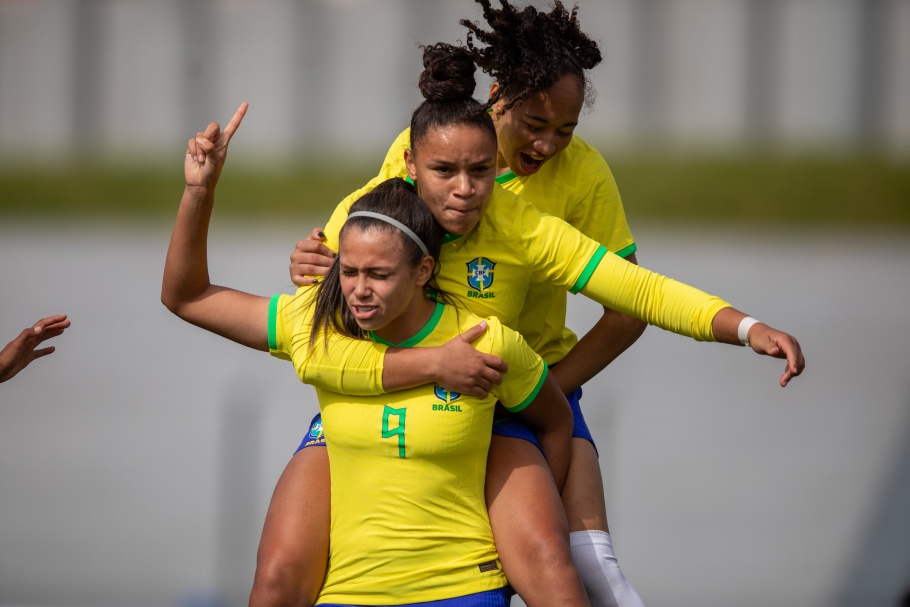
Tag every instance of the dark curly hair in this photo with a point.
(528, 50)
(447, 85)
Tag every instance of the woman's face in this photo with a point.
(538, 128)
(454, 168)
(380, 286)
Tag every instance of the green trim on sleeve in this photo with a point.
(273, 322)
(523, 404)
(589, 269)
(625, 252)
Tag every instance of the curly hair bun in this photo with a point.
(448, 73)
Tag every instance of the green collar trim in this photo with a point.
(506, 178)
(420, 336)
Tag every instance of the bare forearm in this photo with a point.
(185, 288)
(610, 337)
(456, 366)
(408, 367)
(725, 325)
(186, 275)
(187, 291)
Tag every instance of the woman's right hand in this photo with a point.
(310, 258)
(455, 365)
(466, 370)
(206, 153)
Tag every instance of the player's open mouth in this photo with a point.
(529, 164)
(364, 312)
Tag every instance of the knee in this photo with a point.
(548, 553)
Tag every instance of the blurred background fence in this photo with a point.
(128, 80)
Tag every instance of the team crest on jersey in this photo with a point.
(447, 399)
(480, 274)
(444, 395)
(316, 429)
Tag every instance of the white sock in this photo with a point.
(605, 584)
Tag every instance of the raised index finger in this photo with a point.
(236, 120)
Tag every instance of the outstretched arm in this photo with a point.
(186, 289)
(22, 350)
(683, 309)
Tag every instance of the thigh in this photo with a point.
(519, 485)
(529, 525)
(295, 537)
(527, 518)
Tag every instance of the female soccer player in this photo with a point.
(409, 524)
(538, 61)
(451, 158)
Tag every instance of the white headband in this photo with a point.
(395, 223)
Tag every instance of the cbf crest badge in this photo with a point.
(447, 399)
(315, 435)
(480, 274)
(444, 395)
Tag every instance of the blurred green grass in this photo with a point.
(792, 190)
(803, 191)
(86, 192)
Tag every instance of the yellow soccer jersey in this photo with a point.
(515, 253)
(575, 185)
(409, 520)
(490, 270)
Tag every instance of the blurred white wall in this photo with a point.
(128, 79)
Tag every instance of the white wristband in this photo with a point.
(743, 331)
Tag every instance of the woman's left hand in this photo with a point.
(771, 342)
